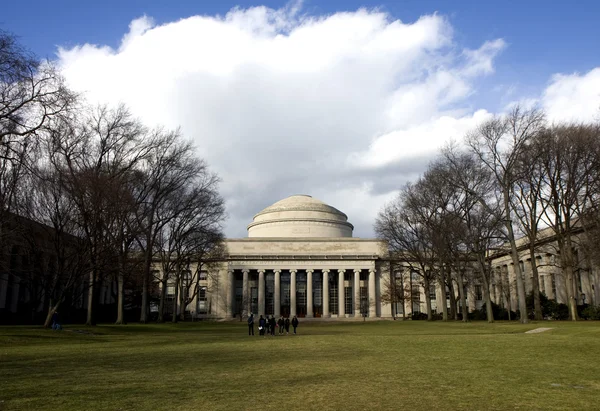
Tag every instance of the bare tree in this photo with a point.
(31, 93)
(571, 162)
(405, 236)
(94, 154)
(498, 144)
(169, 166)
(49, 204)
(479, 209)
(526, 201)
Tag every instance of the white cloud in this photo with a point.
(573, 97)
(344, 107)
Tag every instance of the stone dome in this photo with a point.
(300, 216)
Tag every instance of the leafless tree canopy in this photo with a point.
(515, 175)
(113, 194)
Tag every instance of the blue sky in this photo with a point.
(544, 37)
(348, 108)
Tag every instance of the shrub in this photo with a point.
(499, 312)
(419, 316)
(590, 312)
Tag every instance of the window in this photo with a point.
(348, 299)
(333, 296)
(203, 275)
(171, 290)
(432, 292)
(416, 293)
(202, 301)
(364, 301)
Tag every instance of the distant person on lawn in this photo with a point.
(272, 325)
(262, 323)
(287, 325)
(295, 323)
(251, 324)
(56, 322)
(280, 323)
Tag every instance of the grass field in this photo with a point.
(352, 366)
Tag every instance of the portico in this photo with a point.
(311, 292)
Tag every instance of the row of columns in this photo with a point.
(309, 292)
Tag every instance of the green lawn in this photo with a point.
(353, 366)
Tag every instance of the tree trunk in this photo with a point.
(145, 280)
(52, 308)
(175, 300)
(443, 302)
(182, 302)
(91, 299)
(164, 281)
(515, 259)
(120, 297)
(566, 255)
(147, 269)
(463, 298)
(453, 310)
(486, 292)
(427, 298)
(537, 307)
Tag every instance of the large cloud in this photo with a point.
(345, 107)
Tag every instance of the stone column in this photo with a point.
(372, 295)
(277, 293)
(309, 293)
(341, 294)
(356, 293)
(231, 292)
(293, 292)
(245, 293)
(261, 292)
(325, 289)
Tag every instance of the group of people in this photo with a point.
(267, 326)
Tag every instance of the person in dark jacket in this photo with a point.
(56, 322)
(280, 323)
(251, 324)
(295, 323)
(261, 326)
(272, 325)
(287, 325)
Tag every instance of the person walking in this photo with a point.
(272, 325)
(261, 326)
(295, 323)
(251, 324)
(55, 321)
(287, 325)
(280, 323)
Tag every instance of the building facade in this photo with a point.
(299, 259)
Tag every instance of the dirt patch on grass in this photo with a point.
(537, 330)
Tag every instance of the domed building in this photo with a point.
(300, 259)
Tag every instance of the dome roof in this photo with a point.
(300, 216)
